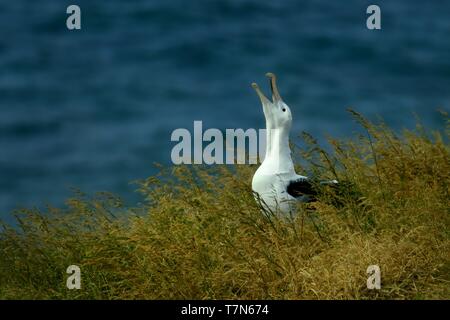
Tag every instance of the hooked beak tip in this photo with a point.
(261, 95)
(273, 85)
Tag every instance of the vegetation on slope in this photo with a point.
(200, 234)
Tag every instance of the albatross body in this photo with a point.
(276, 185)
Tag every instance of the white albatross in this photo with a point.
(276, 185)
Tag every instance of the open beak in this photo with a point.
(273, 86)
(266, 103)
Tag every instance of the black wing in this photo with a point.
(312, 188)
(307, 187)
(301, 187)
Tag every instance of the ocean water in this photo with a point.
(94, 108)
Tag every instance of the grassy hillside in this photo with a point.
(200, 234)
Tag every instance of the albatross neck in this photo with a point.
(278, 153)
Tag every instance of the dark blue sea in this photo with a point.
(94, 108)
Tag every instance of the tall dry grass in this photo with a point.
(200, 234)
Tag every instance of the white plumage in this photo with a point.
(276, 184)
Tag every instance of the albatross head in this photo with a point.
(277, 113)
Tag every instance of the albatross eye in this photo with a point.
(284, 109)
